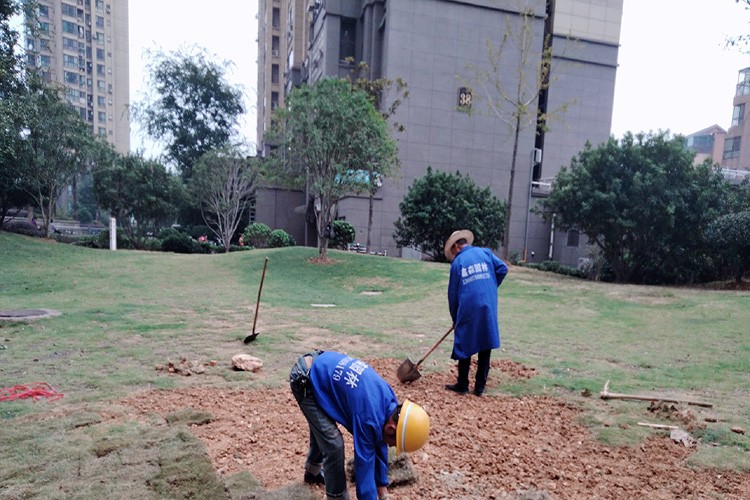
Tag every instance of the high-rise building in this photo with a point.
(83, 45)
(431, 45)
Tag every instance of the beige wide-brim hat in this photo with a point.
(454, 237)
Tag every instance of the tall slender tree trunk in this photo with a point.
(511, 183)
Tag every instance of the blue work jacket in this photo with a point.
(475, 275)
(353, 394)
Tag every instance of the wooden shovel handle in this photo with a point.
(257, 305)
(434, 347)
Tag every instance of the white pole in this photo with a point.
(112, 233)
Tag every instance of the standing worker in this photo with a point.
(332, 388)
(475, 275)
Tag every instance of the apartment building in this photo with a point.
(431, 44)
(83, 45)
(736, 155)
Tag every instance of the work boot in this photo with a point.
(478, 391)
(460, 389)
(314, 478)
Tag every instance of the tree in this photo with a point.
(12, 117)
(378, 91)
(139, 193)
(438, 204)
(730, 238)
(58, 146)
(516, 104)
(223, 184)
(192, 108)
(643, 204)
(326, 136)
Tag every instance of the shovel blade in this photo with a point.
(251, 337)
(407, 371)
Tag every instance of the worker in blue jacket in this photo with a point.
(332, 388)
(475, 275)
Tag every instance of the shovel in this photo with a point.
(408, 371)
(253, 335)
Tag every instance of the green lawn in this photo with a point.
(124, 312)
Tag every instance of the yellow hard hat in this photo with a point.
(413, 428)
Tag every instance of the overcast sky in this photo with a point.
(674, 71)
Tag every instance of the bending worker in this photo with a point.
(331, 388)
(475, 275)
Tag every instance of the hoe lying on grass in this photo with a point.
(605, 394)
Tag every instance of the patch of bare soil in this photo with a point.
(490, 447)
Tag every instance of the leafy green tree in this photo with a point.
(12, 117)
(730, 239)
(59, 146)
(386, 95)
(643, 204)
(223, 185)
(141, 194)
(438, 204)
(325, 137)
(192, 109)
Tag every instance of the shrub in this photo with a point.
(556, 267)
(257, 235)
(23, 227)
(198, 231)
(122, 240)
(280, 238)
(167, 232)
(344, 234)
(180, 243)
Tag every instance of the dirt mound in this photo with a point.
(489, 447)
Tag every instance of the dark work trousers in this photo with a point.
(483, 370)
(326, 442)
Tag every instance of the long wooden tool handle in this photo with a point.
(433, 347)
(257, 305)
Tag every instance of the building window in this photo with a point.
(100, 22)
(101, 85)
(70, 44)
(347, 38)
(732, 147)
(70, 61)
(102, 116)
(44, 44)
(276, 18)
(743, 82)
(99, 5)
(44, 28)
(274, 73)
(100, 70)
(100, 54)
(102, 131)
(69, 27)
(99, 38)
(274, 100)
(45, 61)
(738, 115)
(275, 46)
(68, 10)
(71, 77)
(101, 100)
(573, 238)
(44, 11)
(701, 143)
